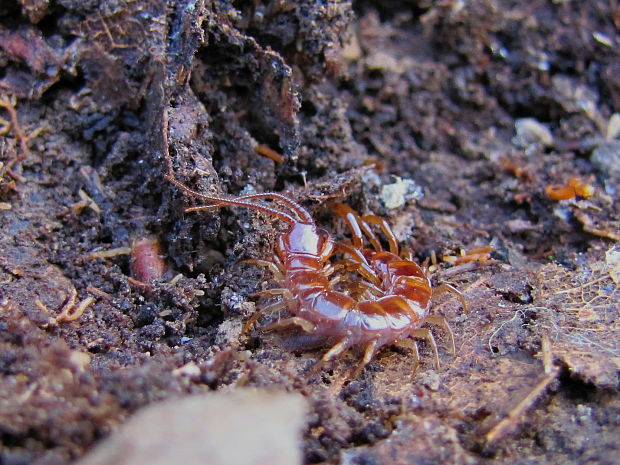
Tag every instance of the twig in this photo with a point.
(513, 417)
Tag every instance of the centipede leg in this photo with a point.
(425, 333)
(413, 346)
(277, 306)
(351, 219)
(441, 321)
(387, 231)
(278, 272)
(450, 289)
(368, 354)
(331, 354)
(357, 225)
(371, 290)
(416, 356)
(335, 280)
(361, 268)
(406, 253)
(328, 270)
(275, 291)
(358, 263)
(304, 324)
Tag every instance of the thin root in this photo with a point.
(69, 311)
(12, 124)
(110, 253)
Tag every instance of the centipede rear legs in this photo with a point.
(330, 355)
(446, 288)
(304, 324)
(369, 352)
(275, 307)
(425, 333)
(438, 320)
(276, 268)
(412, 345)
(441, 321)
(386, 229)
(287, 300)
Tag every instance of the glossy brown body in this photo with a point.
(303, 251)
(390, 303)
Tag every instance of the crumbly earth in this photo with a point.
(449, 119)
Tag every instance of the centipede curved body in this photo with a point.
(303, 251)
(389, 304)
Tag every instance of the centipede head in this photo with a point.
(307, 239)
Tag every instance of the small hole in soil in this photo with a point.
(577, 389)
(253, 343)
(308, 108)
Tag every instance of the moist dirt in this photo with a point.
(460, 123)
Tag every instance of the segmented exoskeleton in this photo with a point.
(389, 304)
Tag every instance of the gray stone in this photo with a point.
(606, 159)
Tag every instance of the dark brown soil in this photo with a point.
(478, 106)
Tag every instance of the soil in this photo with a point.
(452, 120)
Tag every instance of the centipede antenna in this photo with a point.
(251, 205)
(222, 202)
(226, 201)
(301, 212)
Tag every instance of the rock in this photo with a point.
(606, 159)
(612, 259)
(613, 127)
(573, 95)
(244, 427)
(530, 132)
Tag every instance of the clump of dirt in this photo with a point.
(450, 120)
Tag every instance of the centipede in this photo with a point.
(389, 302)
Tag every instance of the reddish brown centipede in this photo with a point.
(391, 303)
